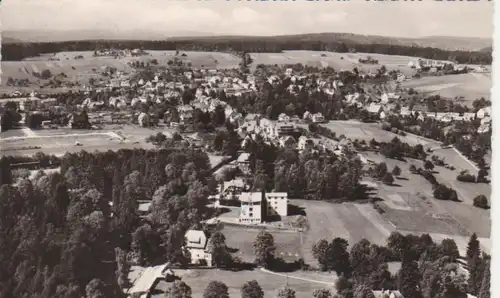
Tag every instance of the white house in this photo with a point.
(143, 119)
(232, 188)
(318, 118)
(287, 142)
(283, 117)
(305, 143)
(374, 109)
(197, 245)
(484, 112)
(387, 293)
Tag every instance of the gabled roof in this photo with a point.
(244, 157)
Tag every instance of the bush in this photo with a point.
(442, 192)
(481, 202)
(464, 176)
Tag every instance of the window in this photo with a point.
(251, 214)
(250, 209)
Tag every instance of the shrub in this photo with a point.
(464, 176)
(481, 201)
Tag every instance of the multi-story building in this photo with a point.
(251, 207)
(256, 206)
(276, 203)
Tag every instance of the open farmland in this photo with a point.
(366, 131)
(471, 86)
(338, 61)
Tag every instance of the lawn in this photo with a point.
(241, 239)
(199, 279)
(352, 222)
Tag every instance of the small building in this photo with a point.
(484, 112)
(243, 162)
(284, 128)
(149, 278)
(387, 293)
(143, 119)
(318, 118)
(232, 188)
(305, 143)
(283, 117)
(197, 243)
(287, 142)
(374, 109)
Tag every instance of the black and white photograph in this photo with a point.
(227, 149)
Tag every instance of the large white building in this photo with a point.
(255, 206)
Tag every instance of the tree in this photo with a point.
(321, 251)
(251, 289)
(484, 291)
(94, 289)
(476, 270)
(449, 248)
(216, 289)
(381, 278)
(388, 179)
(482, 175)
(339, 256)
(179, 289)
(396, 171)
(363, 291)
(409, 279)
(264, 249)
(428, 165)
(220, 255)
(344, 287)
(481, 201)
(473, 248)
(322, 293)
(285, 292)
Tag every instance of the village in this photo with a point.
(299, 114)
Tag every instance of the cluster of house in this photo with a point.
(119, 53)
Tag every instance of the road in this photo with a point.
(298, 278)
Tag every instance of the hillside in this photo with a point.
(78, 35)
(439, 42)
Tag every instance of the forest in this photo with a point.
(19, 51)
(72, 234)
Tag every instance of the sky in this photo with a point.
(233, 17)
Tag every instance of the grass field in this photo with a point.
(366, 131)
(339, 61)
(199, 279)
(288, 244)
(471, 86)
(60, 141)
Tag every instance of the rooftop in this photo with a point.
(196, 239)
(251, 197)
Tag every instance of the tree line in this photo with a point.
(19, 51)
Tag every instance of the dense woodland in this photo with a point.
(72, 234)
(19, 51)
